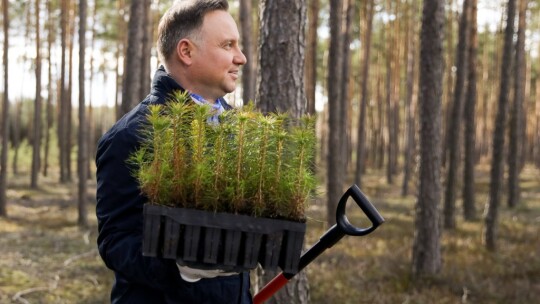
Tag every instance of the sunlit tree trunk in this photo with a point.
(426, 255)
(515, 136)
(497, 169)
(454, 130)
(469, 111)
(36, 144)
(5, 113)
(366, 54)
(281, 62)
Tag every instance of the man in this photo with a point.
(198, 43)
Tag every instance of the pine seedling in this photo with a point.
(263, 132)
(241, 131)
(279, 138)
(153, 173)
(303, 181)
(181, 113)
(219, 135)
(198, 142)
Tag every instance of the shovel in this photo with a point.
(329, 239)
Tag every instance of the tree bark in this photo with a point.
(248, 75)
(515, 136)
(82, 154)
(426, 256)
(36, 144)
(62, 112)
(360, 145)
(469, 133)
(454, 130)
(132, 72)
(410, 107)
(496, 173)
(281, 89)
(5, 113)
(49, 107)
(146, 48)
(311, 55)
(69, 106)
(344, 122)
(334, 159)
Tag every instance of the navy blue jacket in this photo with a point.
(119, 208)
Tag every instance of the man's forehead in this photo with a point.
(220, 24)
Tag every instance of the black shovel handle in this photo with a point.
(369, 210)
(329, 239)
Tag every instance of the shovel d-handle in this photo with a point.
(330, 238)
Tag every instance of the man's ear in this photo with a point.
(184, 48)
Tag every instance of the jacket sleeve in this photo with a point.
(120, 219)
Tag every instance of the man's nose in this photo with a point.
(240, 58)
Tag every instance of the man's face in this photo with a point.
(216, 56)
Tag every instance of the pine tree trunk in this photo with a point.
(426, 256)
(5, 114)
(82, 154)
(345, 111)
(449, 81)
(62, 112)
(36, 144)
(69, 106)
(389, 53)
(537, 135)
(146, 48)
(515, 137)
(282, 60)
(410, 108)
(132, 71)
(334, 157)
(366, 54)
(496, 173)
(246, 26)
(49, 107)
(311, 55)
(469, 133)
(16, 125)
(454, 130)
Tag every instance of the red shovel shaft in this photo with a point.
(271, 288)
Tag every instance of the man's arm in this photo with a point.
(120, 220)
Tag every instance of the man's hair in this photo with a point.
(183, 20)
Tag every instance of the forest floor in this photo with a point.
(47, 258)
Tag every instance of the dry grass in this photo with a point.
(377, 268)
(46, 258)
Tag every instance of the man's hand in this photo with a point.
(193, 275)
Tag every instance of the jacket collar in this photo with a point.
(163, 84)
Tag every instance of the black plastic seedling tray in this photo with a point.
(213, 240)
